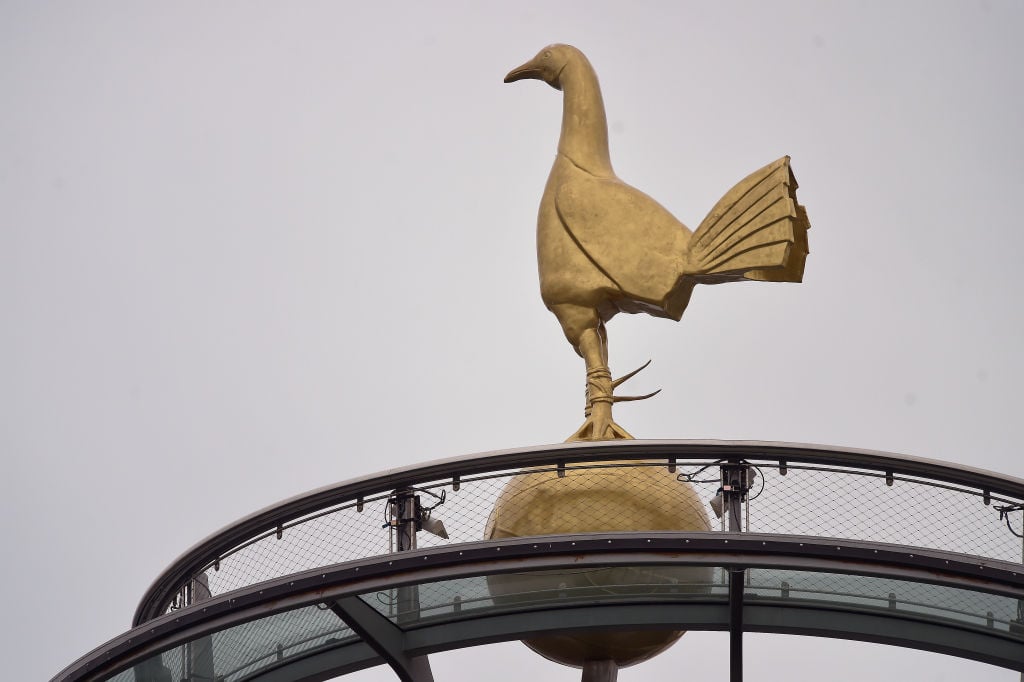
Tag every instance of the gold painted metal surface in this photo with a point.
(594, 500)
(604, 247)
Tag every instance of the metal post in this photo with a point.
(600, 671)
(406, 513)
(736, 624)
(200, 651)
(735, 506)
(735, 484)
(197, 661)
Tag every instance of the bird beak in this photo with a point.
(527, 70)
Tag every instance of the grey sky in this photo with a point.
(250, 248)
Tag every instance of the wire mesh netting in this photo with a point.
(834, 502)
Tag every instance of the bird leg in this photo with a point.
(599, 425)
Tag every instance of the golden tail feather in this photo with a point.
(757, 231)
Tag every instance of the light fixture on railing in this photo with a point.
(432, 525)
(717, 503)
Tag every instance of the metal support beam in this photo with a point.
(384, 637)
(736, 479)
(736, 576)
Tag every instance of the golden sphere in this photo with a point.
(620, 498)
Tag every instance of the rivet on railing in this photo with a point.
(672, 465)
(986, 497)
(785, 590)
(990, 620)
(889, 478)
(216, 564)
(561, 469)
(280, 532)
(456, 482)
(457, 603)
(359, 504)
(892, 600)
(783, 469)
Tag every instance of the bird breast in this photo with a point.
(567, 274)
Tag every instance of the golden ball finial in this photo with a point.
(630, 497)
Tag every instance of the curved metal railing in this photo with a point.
(800, 490)
(334, 620)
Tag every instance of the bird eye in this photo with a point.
(547, 54)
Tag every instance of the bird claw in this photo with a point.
(630, 398)
(626, 377)
(597, 429)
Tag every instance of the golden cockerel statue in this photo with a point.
(605, 247)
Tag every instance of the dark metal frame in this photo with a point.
(736, 477)
(210, 550)
(337, 584)
(384, 637)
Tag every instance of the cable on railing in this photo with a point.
(1004, 514)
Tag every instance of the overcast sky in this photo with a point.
(252, 248)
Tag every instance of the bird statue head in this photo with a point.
(547, 66)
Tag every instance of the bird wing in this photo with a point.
(629, 236)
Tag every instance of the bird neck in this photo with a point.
(584, 137)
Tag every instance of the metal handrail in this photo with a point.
(991, 486)
(554, 552)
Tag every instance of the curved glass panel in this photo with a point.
(237, 652)
(282, 639)
(450, 600)
(902, 598)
